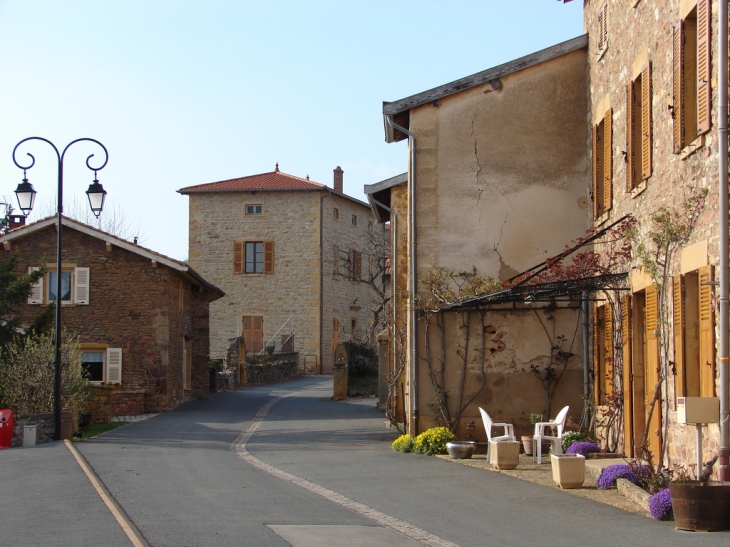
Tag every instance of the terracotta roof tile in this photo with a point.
(275, 180)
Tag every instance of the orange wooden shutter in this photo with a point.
(596, 172)
(707, 334)
(704, 66)
(603, 27)
(238, 257)
(678, 315)
(630, 161)
(253, 333)
(608, 349)
(626, 351)
(678, 86)
(646, 140)
(268, 257)
(607, 160)
(652, 369)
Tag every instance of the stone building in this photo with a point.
(653, 110)
(497, 181)
(290, 254)
(141, 318)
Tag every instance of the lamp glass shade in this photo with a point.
(96, 194)
(26, 196)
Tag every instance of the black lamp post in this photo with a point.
(26, 200)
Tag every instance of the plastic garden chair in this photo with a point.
(540, 429)
(509, 434)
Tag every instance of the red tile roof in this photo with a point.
(275, 180)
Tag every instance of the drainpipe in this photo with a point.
(413, 340)
(393, 270)
(584, 310)
(722, 115)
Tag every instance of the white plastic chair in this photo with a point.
(509, 434)
(559, 423)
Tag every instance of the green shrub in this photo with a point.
(433, 441)
(404, 443)
(570, 437)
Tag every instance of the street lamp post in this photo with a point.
(26, 200)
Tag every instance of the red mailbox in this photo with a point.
(6, 428)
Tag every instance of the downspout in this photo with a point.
(584, 310)
(318, 368)
(722, 114)
(413, 340)
(393, 271)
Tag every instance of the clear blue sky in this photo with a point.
(187, 92)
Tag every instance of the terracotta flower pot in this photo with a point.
(527, 444)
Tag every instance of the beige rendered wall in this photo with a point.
(502, 184)
(291, 220)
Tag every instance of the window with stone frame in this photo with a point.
(694, 333)
(355, 265)
(74, 287)
(602, 38)
(602, 166)
(101, 364)
(253, 257)
(692, 69)
(638, 129)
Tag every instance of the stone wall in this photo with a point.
(100, 404)
(44, 432)
(269, 373)
(128, 403)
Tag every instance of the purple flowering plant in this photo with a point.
(660, 505)
(607, 478)
(583, 448)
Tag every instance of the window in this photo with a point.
(336, 214)
(355, 265)
(354, 220)
(353, 326)
(102, 364)
(602, 44)
(253, 333)
(694, 334)
(638, 129)
(253, 257)
(254, 209)
(602, 353)
(602, 166)
(74, 287)
(691, 76)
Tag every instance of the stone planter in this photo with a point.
(569, 470)
(701, 507)
(504, 454)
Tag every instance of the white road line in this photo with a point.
(239, 447)
(134, 535)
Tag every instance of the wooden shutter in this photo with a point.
(268, 257)
(678, 86)
(335, 332)
(81, 285)
(596, 171)
(626, 352)
(678, 322)
(607, 160)
(630, 120)
(646, 140)
(36, 291)
(253, 333)
(608, 349)
(358, 265)
(652, 368)
(237, 257)
(113, 365)
(704, 66)
(707, 334)
(602, 27)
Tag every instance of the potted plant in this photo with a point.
(700, 505)
(527, 439)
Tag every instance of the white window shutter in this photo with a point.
(36, 294)
(81, 285)
(113, 365)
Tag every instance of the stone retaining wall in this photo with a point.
(268, 373)
(128, 403)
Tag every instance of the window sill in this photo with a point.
(638, 189)
(602, 219)
(692, 147)
(601, 53)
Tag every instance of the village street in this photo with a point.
(284, 465)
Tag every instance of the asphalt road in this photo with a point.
(284, 465)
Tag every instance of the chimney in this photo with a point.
(16, 221)
(338, 179)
